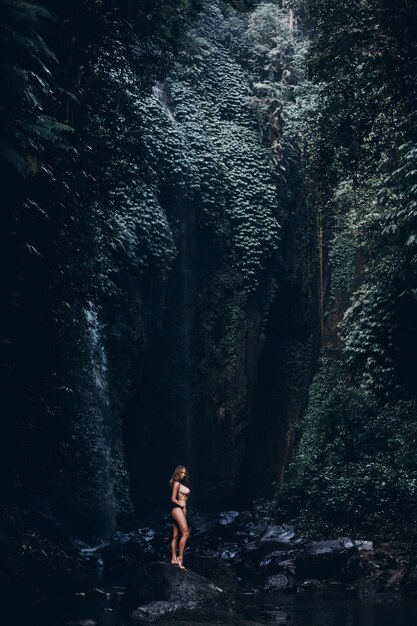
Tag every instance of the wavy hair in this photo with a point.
(176, 474)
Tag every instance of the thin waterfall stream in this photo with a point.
(185, 277)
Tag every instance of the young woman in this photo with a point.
(179, 497)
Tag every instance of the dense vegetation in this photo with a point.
(356, 464)
(62, 442)
(195, 202)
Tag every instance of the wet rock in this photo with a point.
(82, 622)
(213, 569)
(205, 617)
(118, 538)
(256, 529)
(98, 593)
(279, 561)
(310, 585)
(158, 589)
(262, 507)
(271, 558)
(228, 518)
(250, 555)
(229, 554)
(136, 547)
(363, 546)
(324, 559)
(274, 616)
(409, 581)
(245, 517)
(277, 582)
(279, 538)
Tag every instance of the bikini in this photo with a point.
(185, 492)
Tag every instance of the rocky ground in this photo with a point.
(237, 552)
(37, 563)
(229, 555)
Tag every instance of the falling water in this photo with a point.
(97, 353)
(159, 91)
(185, 271)
(98, 430)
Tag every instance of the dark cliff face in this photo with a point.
(185, 309)
(228, 370)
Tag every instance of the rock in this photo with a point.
(229, 555)
(409, 581)
(245, 517)
(136, 547)
(98, 593)
(277, 582)
(279, 561)
(213, 569)
(363, 546)
(158, 589)
(262, 507)
(118, 538)
(271, 558)
(275, 616)
(82, 622)
(250, 555)
(309, 585)
(228, 518)
(205, 617)
(279, 538)
(324, 559)
(203, 526)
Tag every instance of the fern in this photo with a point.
(13, 158)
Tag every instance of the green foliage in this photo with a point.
(361, 173)
(233, 178)
(79, 234)
(26, 75)
(355, 469)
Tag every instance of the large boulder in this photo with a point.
(136, 547)
(213, 569)
(325, 559)
(159, 589)
(276, 537)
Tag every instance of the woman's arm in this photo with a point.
(174, 496)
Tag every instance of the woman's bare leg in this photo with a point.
(174, 543)
(180, 519)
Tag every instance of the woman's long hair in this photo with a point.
(176, 475)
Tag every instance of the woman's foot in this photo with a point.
(181, 563)
(175, 562)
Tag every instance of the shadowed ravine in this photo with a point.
(209, 237)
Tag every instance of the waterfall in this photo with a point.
(186, 347)
(97, 352)
(97, 422)
(159, 91)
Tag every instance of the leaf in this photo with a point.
(13, 158)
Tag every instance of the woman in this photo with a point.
(179, 497)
